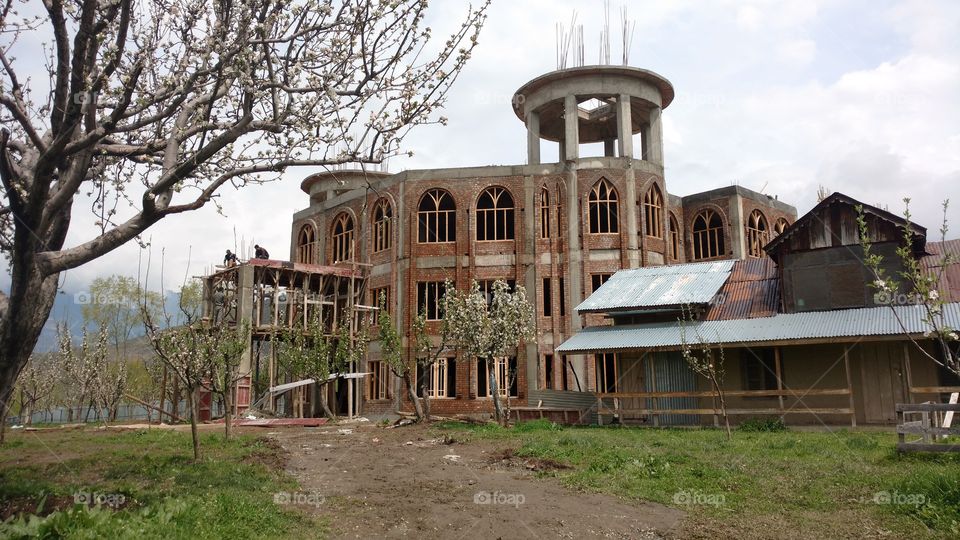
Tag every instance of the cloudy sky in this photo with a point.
(859, 96)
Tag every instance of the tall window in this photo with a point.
(604, 210)
(708, 235)
(429, 299)
(382, 218)
(597, 280)
(757, 234)
(377, 382)
(495, 215)
(780, 226)
(306, 244)
(607, 372)
(441, 378)
(342, 238)
(674, 239)
(378, 295)
(653, 212)
(563, 298)
(544, 213)
(437, 216)
(548, 377)
(486, 287)
(505, 374)
(547, 298)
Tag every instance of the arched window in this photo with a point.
(708, 235)
(382, 219)
(674, 238)
(306, 244)
(604, 210)
(342, 238)
(780, 226)
(544, 212)
(653, 212)
(495, 215)
(437, 216)
(757, 234)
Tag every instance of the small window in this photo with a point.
(757, 234)
(760, 369)
(564, 373)
(378, 295)
(306, 244)
(780, 226)
(547, 298)
(495, 215)
(604, 208)
(674, 238)
(486, 288)
(548, 372)
(505, 373)
(607, 372)
(708, 241)
(563, 298)
(597, 280)
(437, 217)
(544, 213)
(377, 380)
(429, 299)
(343, 238)
(441, 378)
(653, 212)
(382, 226)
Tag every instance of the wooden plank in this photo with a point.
(846, 365)
(923, 430)
(935, 389)
(736, 411)
(929, 447)
(927, 407)
(730, 393)
(778, 361)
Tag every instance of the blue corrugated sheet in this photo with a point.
(784, 327)
(657, 286)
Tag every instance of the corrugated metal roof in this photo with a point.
(656, 286)
(949, 276)
(785, 327)
(753, 290)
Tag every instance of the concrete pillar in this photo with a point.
(574, 281)
(653, 138)
(571, 132)
(633, 227)
(245, 312)
(533, 138)
(527, 259)
(624, 126)
(736, 225)
(608, 148)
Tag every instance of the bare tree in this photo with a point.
(391, 351)
(306, 354)
(923, 288)
(146, 109)
(36, 384)
(706, 360)
(225, 353)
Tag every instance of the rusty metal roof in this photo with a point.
(949, 276)
(781, 328)
(658, 286)
(753, 290)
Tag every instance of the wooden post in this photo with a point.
(906, 369)
(778, 366)
(653, 388)
(163, 393)
(846, 365)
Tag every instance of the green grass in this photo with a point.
(847, 482)
(227, 494)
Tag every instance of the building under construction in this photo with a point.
(273, 298)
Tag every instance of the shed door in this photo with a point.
(883, 384)
(672, 374)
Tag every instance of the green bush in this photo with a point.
(767, 425)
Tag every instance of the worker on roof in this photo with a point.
(260, 253)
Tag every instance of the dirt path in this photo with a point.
(405, 482)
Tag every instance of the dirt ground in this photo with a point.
(368, 481)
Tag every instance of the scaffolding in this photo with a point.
(272, 298)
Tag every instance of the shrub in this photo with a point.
(762, 425)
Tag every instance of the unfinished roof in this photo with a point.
(753, 290)
(658, 287)
(837, 325)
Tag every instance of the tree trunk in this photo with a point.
(723, 407)
(192, 405)
(323, 402)
(414, 399)
(3, 421)
(227, 409)
(424, 395)
(494, 391)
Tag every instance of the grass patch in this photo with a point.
(147, 485)
(764, 479)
